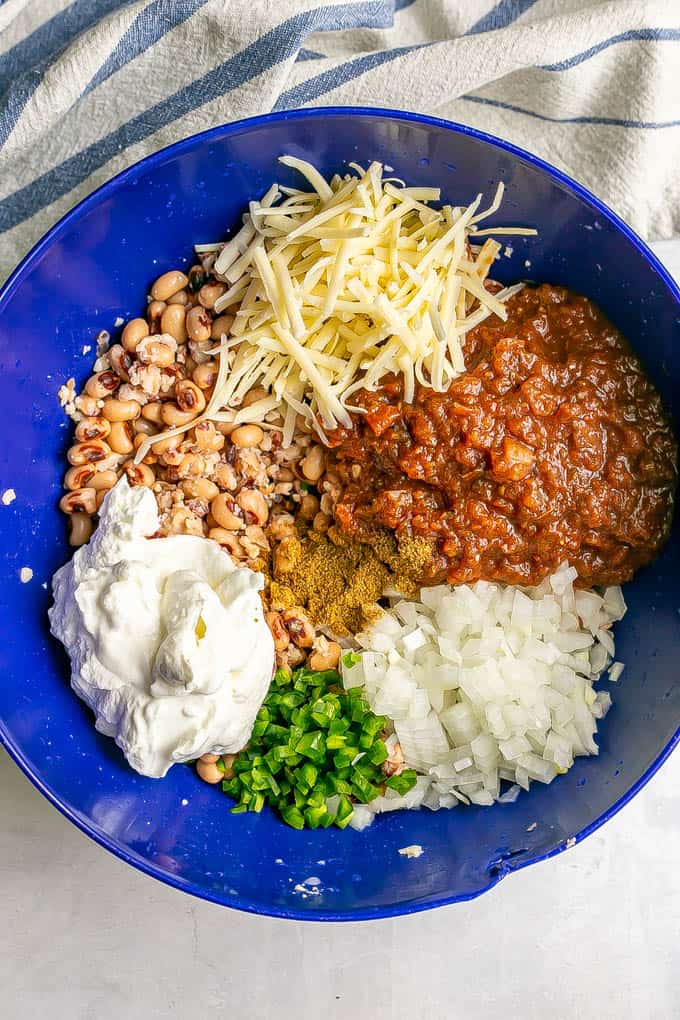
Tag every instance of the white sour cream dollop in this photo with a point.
(167, 638)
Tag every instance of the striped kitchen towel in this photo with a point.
(89, 86)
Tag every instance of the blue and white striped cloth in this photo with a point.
(87, 87)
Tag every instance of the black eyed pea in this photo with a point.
(173, 416)
(207, 437)
(139, 474)
(157, 352)
(247, 436)
(103, 481)
(209, 772)
(92, 428)
(102, 385)
(121, 436)
(209, 293)
(321, 523)
(180, 298)
(222, 507)
(189, 397)
(89, 406)
(252, 396)
(309, 506)
(173, 321)
(199, 488)
(81, 528)
(199, 324)
(154, 311)
(80, 500)
(79, 477)
(221, 326)
(278, 629)
(168, 284)
(151, 412)
(100, 497)
(121, 410)
(133, 333)
(143, 427)
(90, 452)
(326, 655)
(228, 540)
(299, 626)
(209, 759)
(120, 361)
(254, 506)
(313, 464)
(205, 375)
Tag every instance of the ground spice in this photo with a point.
(340, 581)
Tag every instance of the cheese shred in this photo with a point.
(337, 287)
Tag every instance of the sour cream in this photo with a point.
(167, 637)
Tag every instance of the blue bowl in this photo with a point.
(96, 265)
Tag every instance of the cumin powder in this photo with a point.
(340, 581)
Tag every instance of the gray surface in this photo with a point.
(591, 933)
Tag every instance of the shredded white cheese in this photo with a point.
(337, 287)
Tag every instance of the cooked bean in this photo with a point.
(88, 453)
(254, 506)
(209, 772)
(121, 410)
(144, 427)
(152, 412)
(313, 464)
(326, 656)
(92, 428)
(192, 465)
(221, 326)
(189, 396)
(82, 500)
(150, 457)
(252, 396)
(154, 310)
(299, 626)
(209, 758)
(81, 528)
(135, 331)
(278, 629)
(173, 416)
(284, 474)
(139, 474)
(102, 384)
(209, 293)
(247, 436)
(199, 488)
(228, 540)
(103, 480)
(180, 298)
(199, 324)
(309, 506)
(157, 352)
(120, 439)
(120, 361)
(228, 762)
(207, 437)
(79, 477)
(222, 508)
(225, 476)
(225, 427)
(321, 523)
(282, 526)
(162, 446)
(87, 405)
(173, 322)
(205, 375)
(172, 458)
(286, 556)
(168, 284)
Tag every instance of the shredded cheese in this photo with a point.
(334, 288)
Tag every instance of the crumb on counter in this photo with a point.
(86, 348)
(25, 575)
(118, 321)
(570, 842)
(8, 496)
(530, 828)
(415, 850)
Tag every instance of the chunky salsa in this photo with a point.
(552, 446)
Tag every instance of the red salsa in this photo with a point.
(552, 446)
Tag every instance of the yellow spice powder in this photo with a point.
(339, 581)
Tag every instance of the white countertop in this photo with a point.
(591, 933)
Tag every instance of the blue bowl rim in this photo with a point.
(16, 278)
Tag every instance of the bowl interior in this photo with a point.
(96, 266)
